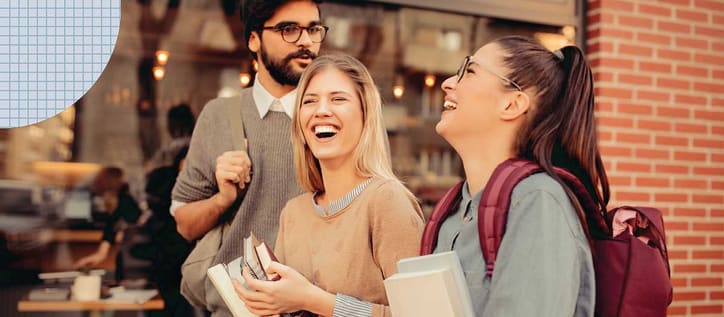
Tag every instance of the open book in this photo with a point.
(430, 285)
(257, 257)
(221, 275)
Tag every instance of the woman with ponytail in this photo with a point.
(516, 99)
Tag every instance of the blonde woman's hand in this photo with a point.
(233, 169)
(293, 292)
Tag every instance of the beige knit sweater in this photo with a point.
(354, 250)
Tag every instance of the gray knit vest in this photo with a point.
(272, 185)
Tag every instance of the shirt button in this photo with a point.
(467, 219)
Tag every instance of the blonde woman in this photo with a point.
(341, 239)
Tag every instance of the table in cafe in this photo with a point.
(93, 308)
(59, 248)
(55, 249)
(155, 303)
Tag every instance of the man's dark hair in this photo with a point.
(180, 121)
(254, 13)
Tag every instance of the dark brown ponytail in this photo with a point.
(560, 128)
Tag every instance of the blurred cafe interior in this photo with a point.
(172, 52)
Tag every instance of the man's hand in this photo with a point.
(194, 219)
(233, 168)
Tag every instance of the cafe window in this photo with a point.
(409, 52)
(195, 51)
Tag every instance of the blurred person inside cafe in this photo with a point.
(170, 58)
(114, 207)
(179, 125)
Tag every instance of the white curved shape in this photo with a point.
(51, 53)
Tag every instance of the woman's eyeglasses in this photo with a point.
(469, 59)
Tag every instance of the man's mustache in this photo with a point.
(301, 53)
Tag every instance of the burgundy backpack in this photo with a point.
(632, 277)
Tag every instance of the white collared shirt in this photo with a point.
(265, 102)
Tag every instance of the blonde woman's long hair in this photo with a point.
(371, 155)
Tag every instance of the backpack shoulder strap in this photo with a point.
(238, 138)
(438, 215)
(494, 204)
(595, 220)
(238, 141)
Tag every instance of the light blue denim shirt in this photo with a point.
(544, 265)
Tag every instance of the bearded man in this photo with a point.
(284, 37)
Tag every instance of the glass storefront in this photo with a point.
(195, 52)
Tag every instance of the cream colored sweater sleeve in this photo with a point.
(397, 225)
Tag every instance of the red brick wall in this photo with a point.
(659, 71)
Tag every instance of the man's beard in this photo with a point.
(282, 70)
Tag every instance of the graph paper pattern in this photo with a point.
(51, 53)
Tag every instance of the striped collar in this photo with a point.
(342, 203)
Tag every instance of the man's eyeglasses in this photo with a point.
(469, 59)
(292, 32)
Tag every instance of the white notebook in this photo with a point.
(221, 275)
(431, 285)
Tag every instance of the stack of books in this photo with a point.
(257, 257)
(429, 286)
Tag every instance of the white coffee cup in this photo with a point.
(86, 288)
